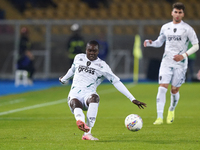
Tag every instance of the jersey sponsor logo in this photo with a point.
(174, 38)
(86, 69)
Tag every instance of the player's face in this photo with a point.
(177, 15)
(92, 51)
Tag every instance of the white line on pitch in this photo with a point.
(13, 102)
(33, 107)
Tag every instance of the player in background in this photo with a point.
(75, 43)
(176, 35)
(198, 75)
(26, 57)
(88, 72)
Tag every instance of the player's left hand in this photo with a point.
(139, 104)
(178, 57)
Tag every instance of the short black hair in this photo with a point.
(178, 5)
(94, 43)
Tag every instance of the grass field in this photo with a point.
(41, 120)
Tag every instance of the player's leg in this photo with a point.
(165, 75)
(160, 103)
(92, 102)
(177, 80)
(174, 101)
(174, 97)
(77, 108)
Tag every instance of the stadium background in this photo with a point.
(121, 21)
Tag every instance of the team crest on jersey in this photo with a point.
(88, 63)
(175, 30)
(81, 59)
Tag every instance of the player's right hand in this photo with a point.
(60, 80)
(147, 41)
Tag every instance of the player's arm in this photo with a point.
(192, 50)
(67, 76)
(158, 42)
(121, 87)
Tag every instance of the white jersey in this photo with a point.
(177, 37)
(89, 74)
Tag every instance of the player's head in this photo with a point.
(179, 6)
(24, 31)
(92, 50)
(177, 12)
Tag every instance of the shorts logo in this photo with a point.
(160, 78)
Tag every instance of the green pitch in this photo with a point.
(41, 120)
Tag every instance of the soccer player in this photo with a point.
(176, 35)
(198, 75)
(88, 72)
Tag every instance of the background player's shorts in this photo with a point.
(81, 95)
(175, 76)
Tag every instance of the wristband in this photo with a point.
(185, 55)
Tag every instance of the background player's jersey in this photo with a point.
(177, 37)
(89, 74)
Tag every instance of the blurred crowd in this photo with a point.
(21, 5)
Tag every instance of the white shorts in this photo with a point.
(80, 94)
(175, 76)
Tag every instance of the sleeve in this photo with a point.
(67, 76)
(159, 41)
(192, 36)
(70, 73)
(108, 74)
(121, 87)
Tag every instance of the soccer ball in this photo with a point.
(133, 122)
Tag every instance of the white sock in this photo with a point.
(92, 114)
(174, 101)
(161, 99)
(79, 115)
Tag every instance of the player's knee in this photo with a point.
(75, 103)
(174, 90)
(94, 98)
